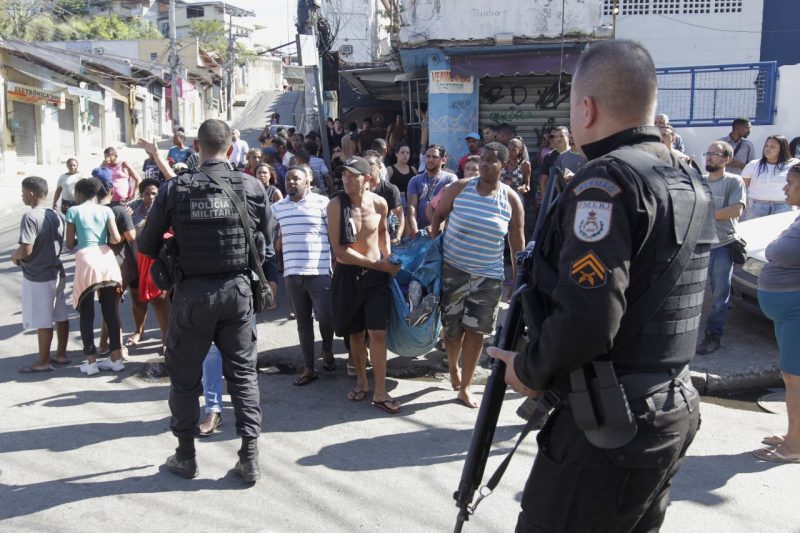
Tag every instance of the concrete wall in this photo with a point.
(256, 75)
(696, 39)
(361, 24)
(478, 19)
(787, 118)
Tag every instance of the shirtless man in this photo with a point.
(360, 293)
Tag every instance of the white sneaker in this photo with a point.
(90, 369)
(108, 364)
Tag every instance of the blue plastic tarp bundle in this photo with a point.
(420, 260)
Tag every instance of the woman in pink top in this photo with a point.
(121, 175)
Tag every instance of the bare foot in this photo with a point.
(455, 379)
(466, 398)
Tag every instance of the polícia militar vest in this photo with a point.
(210, 234)
(669, 337)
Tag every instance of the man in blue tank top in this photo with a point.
(480, 212)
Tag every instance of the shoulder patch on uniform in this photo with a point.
(592, 221)
(605, 185)
(588, 272)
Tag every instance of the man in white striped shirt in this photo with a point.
(303, 222)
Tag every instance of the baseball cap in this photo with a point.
(474, 135)
(357, 165)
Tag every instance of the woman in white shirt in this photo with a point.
(766, 177)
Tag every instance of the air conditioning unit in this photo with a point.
(346, 49)
(99, 51)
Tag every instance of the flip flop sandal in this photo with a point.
(28, 369)
(329, 364)
(305, 380)
(356, 395)
(60, 363)
(772, 440)
(774, 456)
(387, 406)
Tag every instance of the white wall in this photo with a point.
(478, 19)
(362, 25)
(787, 119)
(678, 40)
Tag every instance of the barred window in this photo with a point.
(667, 7)
(671, 7)
(714, 95)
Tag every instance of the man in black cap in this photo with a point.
(212, 299)
(622, 262)
(360, 295)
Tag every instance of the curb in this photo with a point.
(709, 384)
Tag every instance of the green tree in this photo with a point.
(211, 35)
(17, 15)
(66, 9)
(113, 28)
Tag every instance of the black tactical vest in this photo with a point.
(668, 338)
(210, 234)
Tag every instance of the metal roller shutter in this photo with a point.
(66, 131)
(95, 131)
(534, 105)
(25, 135)
(119, 113)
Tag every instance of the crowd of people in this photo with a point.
(330, 228)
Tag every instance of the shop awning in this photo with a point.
(381, 82)
(515, 64)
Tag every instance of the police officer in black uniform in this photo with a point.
(212, 300)
(610, 235)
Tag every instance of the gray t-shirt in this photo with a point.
(782, 271)
(44, 229)
(570, 160)
(726, 191)
(743, 151)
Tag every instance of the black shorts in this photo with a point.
(360, 299)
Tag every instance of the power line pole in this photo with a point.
(173, 63)
(229, 68)
(230, 65)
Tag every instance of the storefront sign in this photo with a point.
(35, 95)
(445, 82)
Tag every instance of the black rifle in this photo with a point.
(507, 337)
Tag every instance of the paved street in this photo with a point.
(84, 454)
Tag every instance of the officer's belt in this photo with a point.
(217, 275)
(641, 384)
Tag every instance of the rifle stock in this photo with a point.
(506, 338)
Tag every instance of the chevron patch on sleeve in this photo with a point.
(588, 272)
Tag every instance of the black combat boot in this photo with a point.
(247, 465)
(709, 345)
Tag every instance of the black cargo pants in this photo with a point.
(576, 487)
(218, 309)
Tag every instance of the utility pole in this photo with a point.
(173, 64)
(229, 67)
(307, 16)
